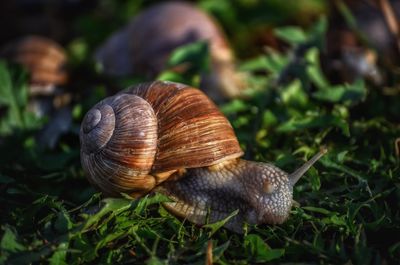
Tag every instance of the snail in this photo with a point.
(45, 62)
(171, 138)
(145, 44)
(44, 59)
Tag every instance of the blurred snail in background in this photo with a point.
(355, 54)
(171, 138)
(45, 62)
(145, 44)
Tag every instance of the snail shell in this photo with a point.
(44, 59)
(136, 139)
(45, 62)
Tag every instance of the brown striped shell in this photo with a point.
(43, 58)
(131, 139)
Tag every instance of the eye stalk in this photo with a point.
(295, 176)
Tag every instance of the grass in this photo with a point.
(349, 203)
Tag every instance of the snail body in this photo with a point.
(171, 138)
(145, 44)
(215, 193)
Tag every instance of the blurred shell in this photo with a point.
(45, 62)
(44, 59)
(130, 141)
(143, 46)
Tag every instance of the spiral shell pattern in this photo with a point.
(119, 138)
(129, 139)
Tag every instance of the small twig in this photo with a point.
(209, 254)
(397, 147)
(391, 20)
